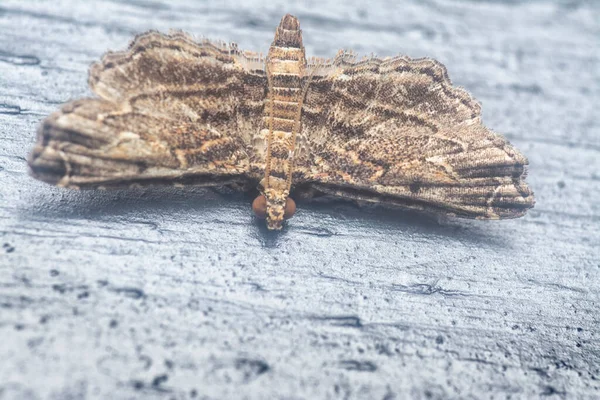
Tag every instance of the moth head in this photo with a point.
(275, 207)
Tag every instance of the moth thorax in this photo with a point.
(273, 185)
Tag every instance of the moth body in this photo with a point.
(285, 68)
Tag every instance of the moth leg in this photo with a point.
(242, 186)
(305, 192)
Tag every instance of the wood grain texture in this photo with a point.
(172, 293)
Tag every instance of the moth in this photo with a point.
(176, 111)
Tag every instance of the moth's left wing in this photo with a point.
(171, 110)
(396, 131)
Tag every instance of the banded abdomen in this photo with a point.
(286, 63)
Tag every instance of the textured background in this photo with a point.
(164, 293)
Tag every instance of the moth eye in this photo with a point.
(290, 208)
(259, 206)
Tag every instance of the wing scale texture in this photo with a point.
(397, 131)
(171, 110)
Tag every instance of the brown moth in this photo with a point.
(172, 110)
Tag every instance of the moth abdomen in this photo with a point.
(288, 33)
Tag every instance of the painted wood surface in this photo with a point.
(180, 293)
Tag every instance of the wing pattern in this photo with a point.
(396, 131)
(171, 110)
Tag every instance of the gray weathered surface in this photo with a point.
(164, 293)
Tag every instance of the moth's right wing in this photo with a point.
(396, 131)
(171, 110)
